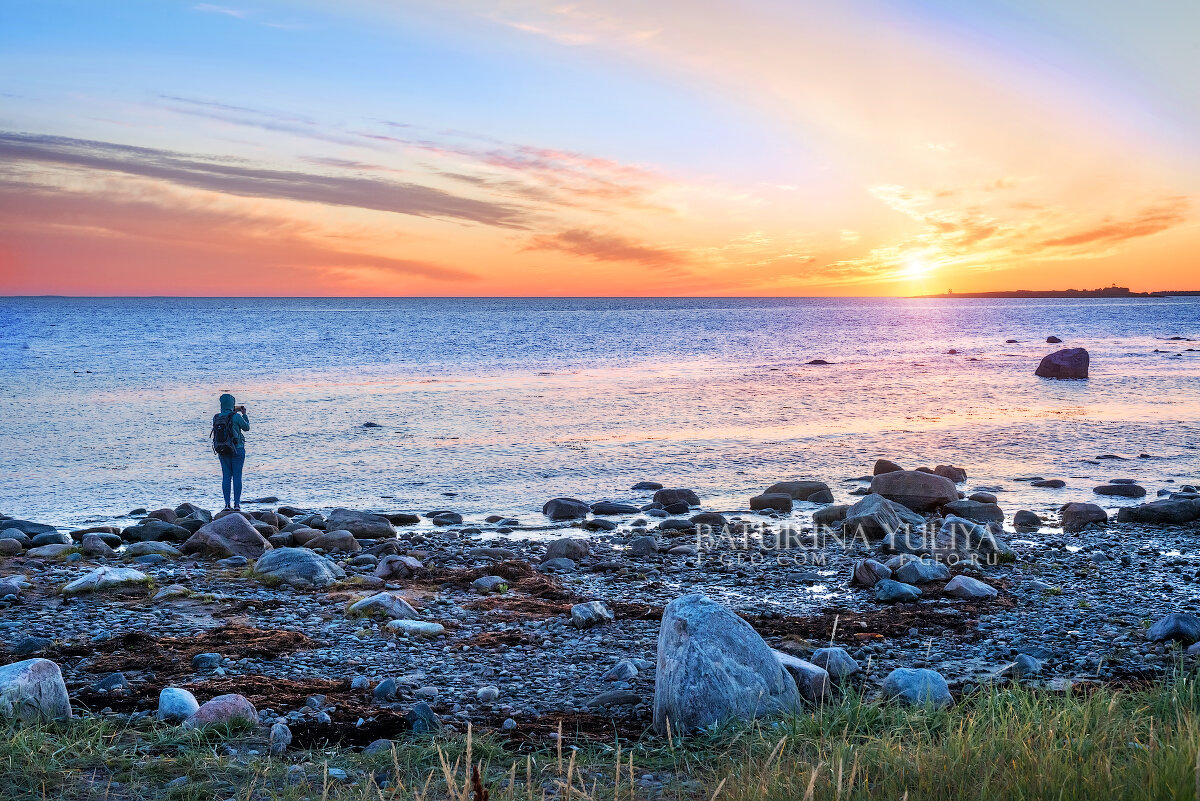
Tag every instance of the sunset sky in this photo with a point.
(598, 147)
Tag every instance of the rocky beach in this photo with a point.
(349, 627)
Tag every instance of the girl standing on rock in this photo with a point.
(230, 446)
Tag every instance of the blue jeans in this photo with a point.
(231, 473)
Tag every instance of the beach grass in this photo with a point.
(998, 743)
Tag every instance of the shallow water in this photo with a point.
(510, 402)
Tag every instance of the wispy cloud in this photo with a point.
(209, 8)
(607, 247)
(253, 181)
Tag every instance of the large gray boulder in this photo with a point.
(671, 496)
(712, 667)
(962, 540)
(298, 567)
(798, 490)
(1164, 512)
(231, 535)
(872, 517)
(154, 530)
(975, 510)
(1175, 626)
(917, 687)
(574, 548)
(364, 525)
(1075, 516)
(26, 527)
(921, 492)
(33, 690)
(1121, 490)
(1065, 363)
(565, 509)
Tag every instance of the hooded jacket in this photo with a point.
(240, 423)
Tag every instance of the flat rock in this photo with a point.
(106, 578)
(970, 589)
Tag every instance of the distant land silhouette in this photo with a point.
(1106, 292)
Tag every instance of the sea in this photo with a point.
(495, 405)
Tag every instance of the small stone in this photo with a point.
(176, 704)
(589, 614)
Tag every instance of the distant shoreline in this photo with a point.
(1109, 292)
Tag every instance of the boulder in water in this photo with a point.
(668, 497)
(919, 491)
(565, 509)
(799, 490)
(1065, 363)
(1075, 516)
(363, 525)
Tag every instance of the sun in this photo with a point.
(916, 267)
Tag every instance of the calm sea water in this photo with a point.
(106, 403)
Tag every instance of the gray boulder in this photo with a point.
(610, 508)
(974, 510)
(382, 605)
(33, 690)
(885, 466)
(1164, 512)
(298, 567)
(1065, 363)
(151, 547)
(231, 535)
(363, 525)
(568, 548)
(1120, 490)
(1026, 519)
(1075, 516)
(889, 591)
(592, 613)
(869, 572)
(778, 501)
(712, 667)
(872, 517)
(836, 661)
(667, 497)
(970, 589)
(830, 514)
(176, 704)
(811, 680)
(920, 492)
(918, 687)
(153, 529)
(962, 540)
(398, 566)
(921, 571)
(1175, 626)
(565, 509)
(26, 527)
(106, 578)
(798, 490)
